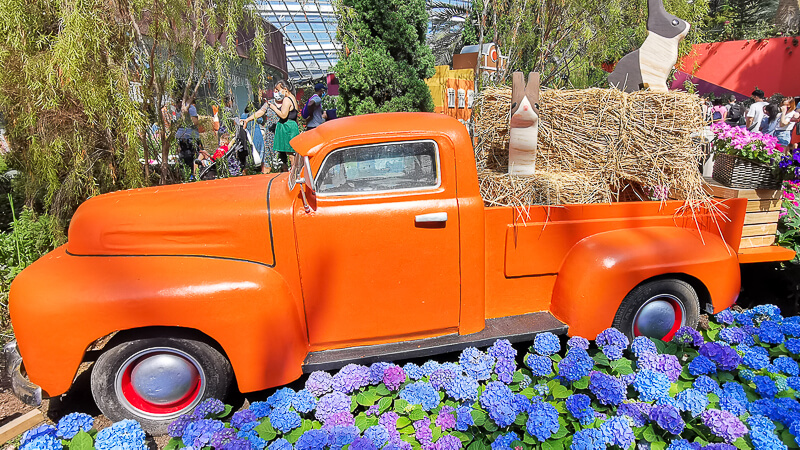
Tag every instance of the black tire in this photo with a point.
(203, 371)
(658, 294)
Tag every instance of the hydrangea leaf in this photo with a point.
(562, 431)
(583, 383)
(478, 417)
(384, 404)
(382, 390)
(521, 419)
(601, 360)
(788, 438)
(649, 434)
(658, 445)
(515, 444)
(547, 445)
(294, 435)
(622, 366)
(518, 376)
(403, 422)
(225, 412)
(361, 422)
(81, 441)
(173, 444)
(436, 433)
(361, 399)
(660, 345)
(478, 445)
(561, 392)
(724, 376)
(417, 413)
(742, 444)
(528, 392)
(265, 431)
(464, 437)
(400, 406)
(528, 439)
(490, 425)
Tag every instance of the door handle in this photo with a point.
(438, 217)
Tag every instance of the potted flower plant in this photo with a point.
(745, 159)
(329, 106)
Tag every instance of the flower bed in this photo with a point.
(733, 385)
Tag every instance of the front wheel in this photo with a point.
(657, 309)
(155, 380)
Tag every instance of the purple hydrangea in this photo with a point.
(448, 442)
(421, 393)
(72, 423)
(617, 431)
(208, 407)
(668, 418)
(723, 424)
(575, 365)
(351, 378)
(638, 412)
(389, 421)
(580, 406)
(197, 433)
(688, 336)
(331, 404)
(476, 364)
(441, 378)
(612, 336)
(723, 356)
(651, 385)
(612, 352)
(642, 345)
(446, 419)
(542, 421)
(224, 436)
(319, 383)
(462, 388)
(376, 372)
(691, 400)
(244, 420)
(422, 430)
(609, 390)
(502, 349)
(579, 342)
(177, 426)
(393, 377)
(546, 344)
(504, 368)
(341, 418)
(669, 366)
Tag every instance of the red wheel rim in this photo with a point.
(649, 314)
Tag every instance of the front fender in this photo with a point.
(62, 303)
(600, 270)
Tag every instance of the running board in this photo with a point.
(514, 328)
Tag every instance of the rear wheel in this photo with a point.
(155, 380)
(657, 309)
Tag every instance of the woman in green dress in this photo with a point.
(285, 106)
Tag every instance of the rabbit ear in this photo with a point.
(655, 8)
(532, 90)
(517, 90)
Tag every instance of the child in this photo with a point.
(204, 159)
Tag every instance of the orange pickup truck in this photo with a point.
(377, 246)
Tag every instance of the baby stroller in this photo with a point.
(234, 161)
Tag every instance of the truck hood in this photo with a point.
(228, 218)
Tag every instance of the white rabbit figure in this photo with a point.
(524, 129)
(651, 64)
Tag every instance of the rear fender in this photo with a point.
(62, 303)
(600, 270)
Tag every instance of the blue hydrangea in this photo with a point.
(441, 378)
(617, 431)
(542, 421)
(280, 444)
(637, 412)
(304, 401)
(464, 418)
(794, 383)
(420, 393)
(580, 406)
(746, 374)
(579, 342)
(787, 365)
(476, 364)
(680, 444)
(71, 424)
(767, 310)
(541, 389)
(127, 434)
(502, 349)
(701, 365)
(612, 352)
(795, 430)
(688, 336)
(330, 404)
(376, 372)
(762, 433)
(42, 437)
(319, 383)
(612, 336)
(541, 366)
(378, 434)
(733, 335)
(706, 384)
(284, 419)
(255, 440)
(575, 365)
(651, 385)
(260, 409)
(341, 435)
(503, 442)
(756, 358)
(668, 418)
(448, 442)
(525, 382)
(504, 368)
(770, 332)
(588, 439)
(609, 390)
(642, 345)
(723, 356)
(733, 406)
(725, 317)
(546, 344)
(521, 403)
(765, 386)
(793, 346)
(691, 400)
(462, 387)
(351, 378)
(244, 420)
(497, 400)
(413, 371)
(312, 440)
(207, 408)
(790, 328)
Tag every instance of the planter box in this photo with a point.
(763, 211)
(739, 173)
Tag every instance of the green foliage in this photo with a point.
(740, 19)
(385, 59)
(789, 224)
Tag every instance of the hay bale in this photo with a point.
(616, 139)
(543, 188)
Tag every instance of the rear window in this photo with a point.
(393, 166)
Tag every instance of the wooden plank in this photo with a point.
(20, 425)
(770, 253)
(761, 217)
(714, 188)
(760, 229)
(763, 205)
(756, 241)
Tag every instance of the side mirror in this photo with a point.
(307, 179)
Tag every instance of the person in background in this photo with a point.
(254, 128)
(188, 135)
(770, 121)
(788, 118)
(718, 111)
(285, 106)
(735, 114)
(313, 110)
(270, 158)
(756, 111)
(204, 159)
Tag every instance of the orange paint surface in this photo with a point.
(243, 262)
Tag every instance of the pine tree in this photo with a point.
(385, 59)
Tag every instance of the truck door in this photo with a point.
(379, 255)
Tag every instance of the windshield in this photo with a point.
(296, 169)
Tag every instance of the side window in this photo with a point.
(394, 166)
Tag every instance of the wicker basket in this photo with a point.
(740, 173)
